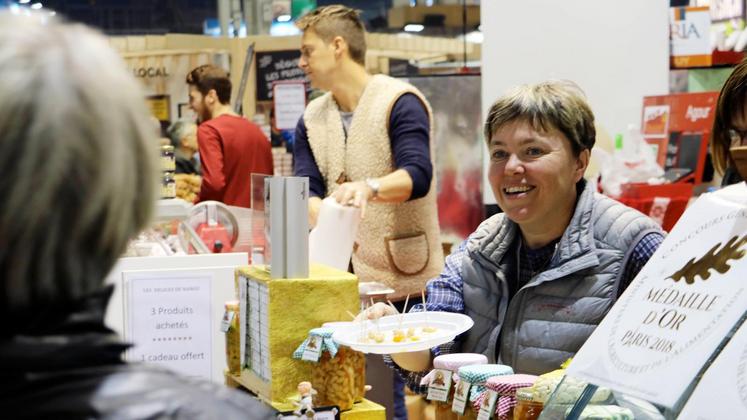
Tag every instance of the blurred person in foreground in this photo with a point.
(231, 147)
(538, 278)
(729, 142)
(79, 180)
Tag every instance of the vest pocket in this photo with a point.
(409, 253)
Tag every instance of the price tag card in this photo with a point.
(487, 408)
(225, 323)
(438, 389)
(461, 394)
(313, 349)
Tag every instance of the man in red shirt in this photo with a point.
(231, 148)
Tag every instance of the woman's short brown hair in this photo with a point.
(559, 105)
(337, 20)
(731, 103)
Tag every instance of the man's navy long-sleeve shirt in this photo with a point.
(409, 135)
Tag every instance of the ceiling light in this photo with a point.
(36, 6)
(414, 27)
(284, 18)
(24, 1)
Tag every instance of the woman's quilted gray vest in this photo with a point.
(549, 318)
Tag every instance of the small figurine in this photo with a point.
(306, 393)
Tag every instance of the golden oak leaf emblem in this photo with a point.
(717, 258)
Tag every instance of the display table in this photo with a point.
(364, 410)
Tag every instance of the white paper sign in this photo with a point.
(460, 397)
(438, 389)
(690, 31)
(722, 392)
(487, 408)
(678, 309)
(170, 319)
(290, 102)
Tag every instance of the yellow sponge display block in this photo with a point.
(293, 307)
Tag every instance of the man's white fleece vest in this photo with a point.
(397, 244)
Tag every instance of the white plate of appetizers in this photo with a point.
(402, 333)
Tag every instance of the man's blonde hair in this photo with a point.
(338, 20)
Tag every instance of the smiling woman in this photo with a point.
(538, 278)
(539, 150)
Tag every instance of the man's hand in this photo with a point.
(354, 194)
(376, 311)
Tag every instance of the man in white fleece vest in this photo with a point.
(368, 143)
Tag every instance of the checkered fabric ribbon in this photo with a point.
(505, 387)
(327, 343)
(477, 375)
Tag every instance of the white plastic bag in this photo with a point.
(633, 162)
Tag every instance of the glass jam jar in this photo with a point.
(168, 185)
(168, 158)
(526, 408)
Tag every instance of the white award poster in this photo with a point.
(170, 320)
(722, 391)
(677, 311)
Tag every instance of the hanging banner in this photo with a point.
(690, 36)
(677, 311)
(276, 66)
(290, 102)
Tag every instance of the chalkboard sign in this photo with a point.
(274, 66)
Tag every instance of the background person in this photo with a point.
(231, 148)
(538, 278)
(730, 128)
(183, 135)
(368, 143)
(76, 187)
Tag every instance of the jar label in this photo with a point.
(487, 408)
(225, 323)
(438, 388)
(168, 190)
(312, 350)
(168, 163)
(461, 394)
